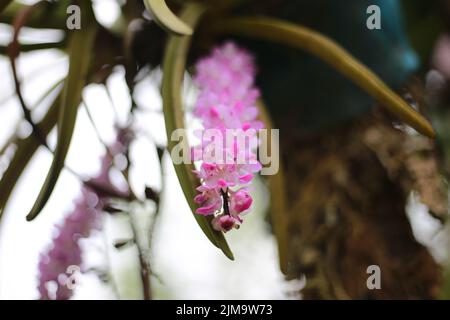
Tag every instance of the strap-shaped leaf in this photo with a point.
(25, 150)
(80, 50)
(166, 18)
(174, 66)
(277, 189)
(332, 53)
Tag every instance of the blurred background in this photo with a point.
(361, 188)
(185, 265)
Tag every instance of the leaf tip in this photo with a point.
(227, 252)
(166, 18)
(30, 217)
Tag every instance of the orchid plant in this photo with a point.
(202, 39)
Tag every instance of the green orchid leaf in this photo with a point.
(277, 188)
(25, 149)
(174, 66)
(166, 18)
(332, 53)
(80, 50)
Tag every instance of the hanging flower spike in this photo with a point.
(228, 97)
(227, 101)
(65, 250)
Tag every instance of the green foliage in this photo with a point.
(173, 71)
(144, 47)
(80, 50)
(166, 19)
(24, 152)
(330, 52)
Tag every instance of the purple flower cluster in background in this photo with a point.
(65, 251)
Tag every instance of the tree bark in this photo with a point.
(346, 196)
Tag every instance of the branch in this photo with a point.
(36, 46)
(13, 51)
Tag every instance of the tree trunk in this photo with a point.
(346, 197)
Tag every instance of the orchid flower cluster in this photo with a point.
(65, 252)
(226, 105)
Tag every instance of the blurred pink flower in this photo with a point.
(65, 251)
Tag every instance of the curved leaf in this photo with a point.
(332, 53)
(166, 19)
(278, 200)
(80, 50)
(25, 149)
(174, 65)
